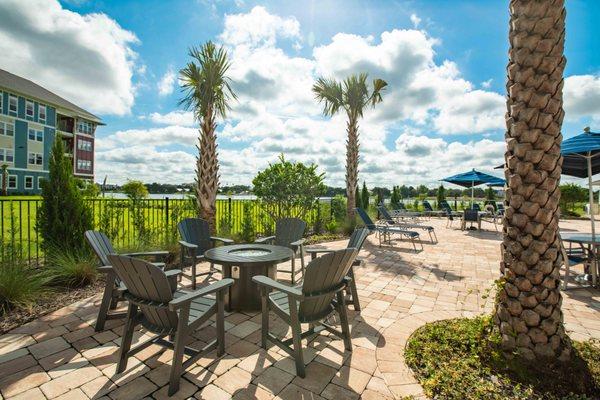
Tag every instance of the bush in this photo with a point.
(72, 269)
(331, 226)
(338, 208)
(248, 231)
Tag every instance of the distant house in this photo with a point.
(30, 118)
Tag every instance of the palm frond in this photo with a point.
(379, 86)
(330, 93)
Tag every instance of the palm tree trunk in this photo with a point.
(351, 165)
(528, 310)
(207, 170)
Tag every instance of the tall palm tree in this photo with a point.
(351, 95)
(208, 93)
(528, 310)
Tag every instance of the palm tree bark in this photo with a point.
(351, 165)
(528, 310)
(207, 170)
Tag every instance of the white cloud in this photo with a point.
(166, 84)
(415, 20)
(582, 97)
(88, 59)
(177, 117)
(487, 84)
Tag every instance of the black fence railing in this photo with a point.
(148, 221)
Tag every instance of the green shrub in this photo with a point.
(338, 207)
(331, 226)
(72, 269)
(248, 231)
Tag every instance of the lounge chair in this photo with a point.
(288, 233)
(387, 218)
(321, 293)
(356, 241)
(451, 216)
(166, 312)
(385, 231)
(195, 240)
(500, 208)
(113, 287)
(429, 211)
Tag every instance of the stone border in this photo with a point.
(398, 377)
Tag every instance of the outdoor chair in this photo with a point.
(429, 211)
(387, 218)
(501, 209)
(195, 240)
(319, 296)
(288, 233)
(470, 216)
(385, 231)
(451, 216)
(575, 256)
(166, 312)
(490, 215)
(113, 287)
(356, 241)
(475, 207)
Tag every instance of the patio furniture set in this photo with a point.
(248, 282)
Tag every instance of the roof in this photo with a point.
(28, 88)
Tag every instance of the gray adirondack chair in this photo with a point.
(321, 293)
(288, 233)
(113, 288)
(166, 312)
(195, 240)
(356, 241)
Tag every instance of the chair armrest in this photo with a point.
(173, 272)
(222, 240)
(105, 269)
(187, 298)
(158, 253)
(273, 284)
(317, 251)
(265, 239)
(187, 245)
(298, 242)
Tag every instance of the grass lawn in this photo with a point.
(461, 359)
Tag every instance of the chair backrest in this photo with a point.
(196, 231)
(444, 204)
(149, 288)
(357, 238)
(386, 215)
(471, 215)
(322, 278)
(366, 219)
(401, 206)
(476, 207)
(449, 214)
(288, 230)
(427, 206)
(101, 245)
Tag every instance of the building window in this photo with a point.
(29, 182)
(13, 105)
(7, 129)
(12, 182)
(35, 159)
(7, 155)
(36, 135)
(39, 185)
(85, 127)
(84, 165)
(85, 145)
(42, 114)
(29, 109)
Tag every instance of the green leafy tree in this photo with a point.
(352, 95)
(338, 208)
(207, 93)
(395, 198)
(490, 194)
(422, 189)
(63, 216)
(570, 195)
(364, 196)
(288, 189)
(135, 190)
(441, 195)
(248, 230)
(358, 198)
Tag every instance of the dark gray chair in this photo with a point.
(166, 312)
(195, 240)
(321, 293)
(113, 288)
(356, 241)
(384, 231)
(470, 216)
(390, 221)
(288, 233)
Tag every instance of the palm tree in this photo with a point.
(528, 310)
(208, 93)
(353, 96)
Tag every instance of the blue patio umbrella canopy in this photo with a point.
(473, 178)
(498, 182)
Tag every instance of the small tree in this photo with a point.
(571, 194)
(441, 195)
(288, 189)
(490, 194)
(395, 199)
(135, 190)
(358, 198)
(63, 216)
(364, 196)
(248, 231)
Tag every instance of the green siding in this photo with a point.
(48, 141)
(20, 144)
(50, 116)
(21, 181)
(21, 107)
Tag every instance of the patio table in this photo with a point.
(241, 262)
(592, 242)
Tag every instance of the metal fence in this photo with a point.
(125, 221)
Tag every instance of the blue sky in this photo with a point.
(445, 62)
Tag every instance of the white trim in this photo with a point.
(83, 173)
(27, 116)
(35, 136)
(4, 150)
(39, 181)
(16, 113)
(25, 182)
(40, 120)
(4, 129)
(30, 170)
(16, 182)
(35, 157)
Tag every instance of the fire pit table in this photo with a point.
(241, 262)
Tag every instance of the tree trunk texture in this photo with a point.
(528, 310)
(207, 170)
(351, 166)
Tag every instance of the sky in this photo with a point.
(444, 61)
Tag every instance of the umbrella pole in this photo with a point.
(592, 219)
(472, 194)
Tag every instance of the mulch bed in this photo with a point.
(49, 303)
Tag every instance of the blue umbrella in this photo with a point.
(471, 179)
(581, 158)
(498, 182)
